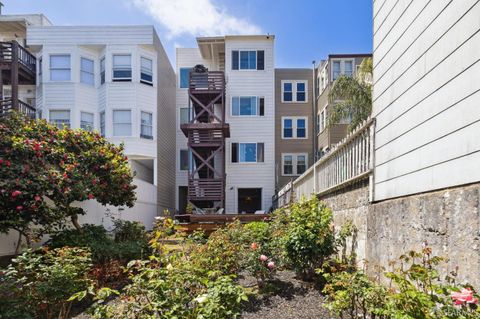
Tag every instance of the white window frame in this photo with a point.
(148, 72)
(240, 59)
(294, 163)
(40, 70)
(92, 74)
(256, 153)
(120, 79)
(92, 127)
(342, 67)
(60, 110)
(61, 69)
(102, 70)
(113, 123)
(294, 127)
(102, 124)
(152, 126)
(294, 90)
(257, 108)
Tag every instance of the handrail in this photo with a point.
(24, 57)
(348, 161)
(6, 107)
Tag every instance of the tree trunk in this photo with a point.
(76, 223)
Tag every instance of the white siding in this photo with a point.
(251, 129)
(426, 83)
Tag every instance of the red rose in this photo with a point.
(1, 161)
(90, 196)
(7, 163)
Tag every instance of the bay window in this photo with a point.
(122, 68)
(122, 123)
(60, 67)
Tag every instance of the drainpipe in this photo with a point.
(314, 106)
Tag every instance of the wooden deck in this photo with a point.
(210, 223)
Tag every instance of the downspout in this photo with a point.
(314, 107)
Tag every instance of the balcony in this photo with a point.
(15, 60)
(8, 105)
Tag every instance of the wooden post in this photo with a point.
(14, 75)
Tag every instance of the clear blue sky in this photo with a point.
(305, 30)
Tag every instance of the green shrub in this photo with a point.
(42, 282)
(103, 247)
(309, 238)
(125, 230)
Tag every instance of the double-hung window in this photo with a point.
(102, 123)
(294, 127)
(186, 160)
(348, 66)
(294, 91)
(248, 60)
(146, 71)
(184, 115)
(60, 67)
(102, 70)
(60, 118)
(40, 69)
(122, 123)
(248, 152)
(122, 68)
(146, 125)
(87, 75)
(184, 77)
(248, 106)
(336, 70)
(86, 121)
(294, 164)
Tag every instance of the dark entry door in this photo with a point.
(182, 199)
(249, 200)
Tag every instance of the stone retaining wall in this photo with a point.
(447, 220)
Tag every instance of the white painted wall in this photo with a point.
(251, 129)
(426, 92)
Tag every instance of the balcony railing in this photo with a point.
(25, 58)
(208, 81)
(205, 189)
(349, 161)
(7, 106)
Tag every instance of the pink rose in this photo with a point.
(37, 198)
(271, 265)
(263, 258)
(254, 246)
(19, 207)
(16, 193)
(463, 296)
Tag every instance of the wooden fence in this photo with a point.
(349, 161)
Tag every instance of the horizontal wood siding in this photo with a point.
(426, 92)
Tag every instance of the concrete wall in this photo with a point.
(447, 220)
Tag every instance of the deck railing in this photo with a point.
(6, 107)
(25, 58)
(349, 161)
(208, 81)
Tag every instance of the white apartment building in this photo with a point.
(113, 79)
(248, 63)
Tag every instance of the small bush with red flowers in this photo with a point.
(44, 169)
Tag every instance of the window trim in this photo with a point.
(180, 116)
(114, 79)
(113, 123)
(153, 125)
(342, 67)
(189, 159)
(102, 72)
(69, 69)
(180, 77)
(257, 110)
(239, 60)
(294, 127)
(87, 72)
(103, 134)
(294, 91)
(256, 153)
(150, 83)
(60, 110)
(294, 163)
(93, 120)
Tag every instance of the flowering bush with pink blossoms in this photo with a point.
(258, 264)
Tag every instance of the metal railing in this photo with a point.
(349, 161)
